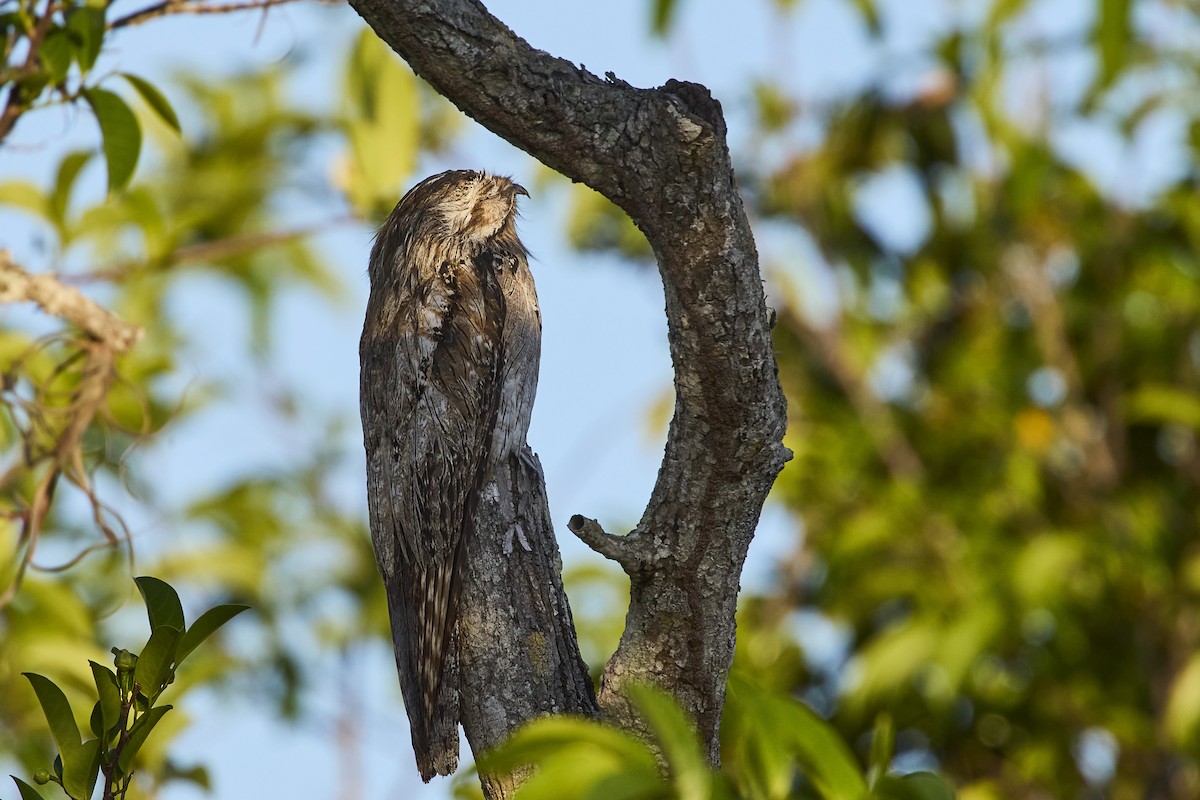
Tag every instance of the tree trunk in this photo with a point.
(661, 155)
(518, 656)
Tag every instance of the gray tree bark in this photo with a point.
(518, 655)
(661, 155)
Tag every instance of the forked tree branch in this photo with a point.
(661, 155)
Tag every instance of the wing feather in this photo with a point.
(431, 387)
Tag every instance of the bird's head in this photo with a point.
(473, 205)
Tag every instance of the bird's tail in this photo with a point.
(427, 660)
(435, 740)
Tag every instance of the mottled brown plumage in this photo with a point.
(449, 357)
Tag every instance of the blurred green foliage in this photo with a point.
(992, 388)
(995, 421)
(211, 206)
(774, 749)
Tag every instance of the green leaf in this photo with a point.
(1163, 403)
(1182, 717)
(162, 603)
(96, 721)
(579, 758)
(22, 194)
(110, 697)
(137, 736)
(85, 25)
(68, 171)
(154, 662)
(32, 84)
(827, 760)
(55, 54)
(883, 744)
(383, 124)
(1002, 11)
(58, 712)
(197, 774)
(870, 14)
(155, 99)
(893, 657)
(762, 765)
(625, 785)
(80, 768)
(208, 624)
(914, 786)
(121, 134)
(1113, 38)
(677, 737)
(661, 13)
(775, 108)
(27, 791)
(577, 772)
(830, 763)
(545, 736)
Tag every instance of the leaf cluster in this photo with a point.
(773, 748)
(125, 712)
(50, 52)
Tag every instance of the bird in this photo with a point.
(448, 372)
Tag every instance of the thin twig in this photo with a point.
(1093, 433)
(185, 7)
(30, 530)
(212, 251)
(893, 448)
(14, 106)
(107, 336)
(75, 559)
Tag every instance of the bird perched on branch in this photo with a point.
(449, 359)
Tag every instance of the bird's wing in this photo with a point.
(430, 387)
(430, 390)
(522, 354)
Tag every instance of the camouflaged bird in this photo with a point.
(449, 358)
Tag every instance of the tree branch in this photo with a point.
(14, 106)
(661, 155)
(168, 7)
(212, 250)
(518, 656)
(67, 303)
(107, 337)
(622, 549)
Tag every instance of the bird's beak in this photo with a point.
(519, 189)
